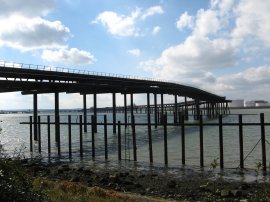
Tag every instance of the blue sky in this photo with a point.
(221, 46)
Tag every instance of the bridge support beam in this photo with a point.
(35, 113)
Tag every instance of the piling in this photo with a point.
(49, 134)
(156, 113)
(125, 109)
(84, 113)
(150, 138)
(241, 141)
(35, 116)
(105, 137)
(69, 136)
(134, 138)
(183, 139)
(93, 136)
(119, 141)
(165, 140)
(221, 160)
(162, 108)
(175, 109)
(95, 111)
(114, 112)
(201, 142)
(39, 135)
(31, 134)
(263, 141)
(81, 137)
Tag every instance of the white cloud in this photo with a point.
(136, 52)
(152, 11)
(156, 30)
(31, 8)
(184, 21)
(32, 33)
(252, 83)
(207, 22)
(224, 6)
(71, 56)
(253, 21)
(125, 25)
(118, 24)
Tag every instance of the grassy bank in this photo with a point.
(75, 191)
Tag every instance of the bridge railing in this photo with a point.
(70, 70)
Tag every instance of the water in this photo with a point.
(15, 137)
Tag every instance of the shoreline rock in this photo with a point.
(192, 186)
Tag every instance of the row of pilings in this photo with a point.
(195, 107)
(182, 124)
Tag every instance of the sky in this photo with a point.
(222, 46)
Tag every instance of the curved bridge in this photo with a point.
(32, 79)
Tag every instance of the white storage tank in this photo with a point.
(237, 103)
(250, 104)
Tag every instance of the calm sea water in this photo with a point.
(15, 137)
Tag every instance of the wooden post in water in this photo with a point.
(221, 161)
(175, 109)
(131, 105)
(201, 143)
(114, 112)
(31, 134)
(93, 136)
(156, 113)
(35, 116)
(81, 137)
(57, 118)
(263, 141)
(95, 111)
(125, 109)
(119, 141)
(165, 140)
(49, 134)
(84, 113)
(149, 129)
(69, 136)
(105, 137)
(162, 108)
(150, 139)
(39, 135)
(134, 138)
(186, 109)
(183, 138)
(241, 141)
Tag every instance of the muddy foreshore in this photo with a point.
(189, 186)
